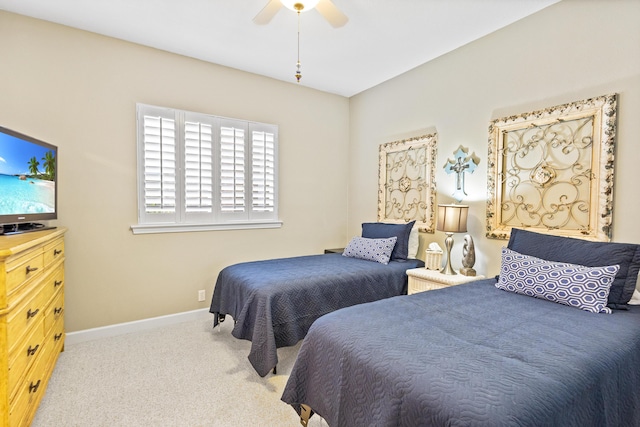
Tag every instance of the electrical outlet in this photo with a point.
(201, 295)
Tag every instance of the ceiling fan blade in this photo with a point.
(331, 13)
(268, 12)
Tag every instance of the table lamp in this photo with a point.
(451, 219)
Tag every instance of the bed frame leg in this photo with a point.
(274, 370)
(305, 414)
(220, 318)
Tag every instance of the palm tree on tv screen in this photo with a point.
(33, 166)
(50, 165)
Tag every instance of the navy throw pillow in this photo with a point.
(382, 230)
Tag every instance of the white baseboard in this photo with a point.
(135, 326)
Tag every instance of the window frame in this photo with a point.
(180, 220)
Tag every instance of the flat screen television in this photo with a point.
(28, 182)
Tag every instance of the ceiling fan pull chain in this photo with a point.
(298, 72)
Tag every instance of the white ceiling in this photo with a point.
(382, 39)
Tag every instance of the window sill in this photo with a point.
(186, 228)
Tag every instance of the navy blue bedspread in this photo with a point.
(274, 302)
(470, 355)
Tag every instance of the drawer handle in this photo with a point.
(57, 310)
(57, 283)
(57, 337)
(57, 252)
(31, 269)
(34, 387)
(32, 351)
(30, 313)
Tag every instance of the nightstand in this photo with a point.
(421, 279)
(334, 251)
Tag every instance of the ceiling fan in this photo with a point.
(326, 8)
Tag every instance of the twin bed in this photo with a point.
(274, 302)
(548, 343)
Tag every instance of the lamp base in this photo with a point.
(448, 270)
(448, 242)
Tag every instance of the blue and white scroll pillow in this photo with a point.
(574, 285)
(378, 250)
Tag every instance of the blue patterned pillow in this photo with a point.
(587, 253)
(578, 286)
(378, 250)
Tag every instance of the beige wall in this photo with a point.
(570, 51)
(78, 90)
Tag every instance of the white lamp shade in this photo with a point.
(452, 218)
(307, 4)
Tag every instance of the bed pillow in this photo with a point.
(414, 243)
(586, 288)
(378, 250)
(587, 253)
(382, 230)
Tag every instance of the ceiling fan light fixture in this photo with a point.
(299, 5)
(326, 8)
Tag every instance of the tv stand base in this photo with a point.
(23, 227)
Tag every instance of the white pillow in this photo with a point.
(378, 250)
(414, 242)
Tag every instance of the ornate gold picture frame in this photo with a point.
(407, 183)
(551, 171)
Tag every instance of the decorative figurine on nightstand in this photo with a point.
(468, 257)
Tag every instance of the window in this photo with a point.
(201, 172)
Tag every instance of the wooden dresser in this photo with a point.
(31, 320)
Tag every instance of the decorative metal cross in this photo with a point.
(461, 163)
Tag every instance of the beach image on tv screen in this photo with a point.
(27, 177)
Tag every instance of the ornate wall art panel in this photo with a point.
(551, 171)
(406, 181)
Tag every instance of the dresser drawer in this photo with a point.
(54, 312)
(52, 283)
(23, 357)
(26, 315)
(22, 269)
(55, 339)
(54, 251)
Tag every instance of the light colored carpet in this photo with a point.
(184, 374)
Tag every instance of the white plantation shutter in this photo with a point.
(160, 165)
(263, 166)
(201, 172)
(232, 169)
(198, 167)
(159, 179)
